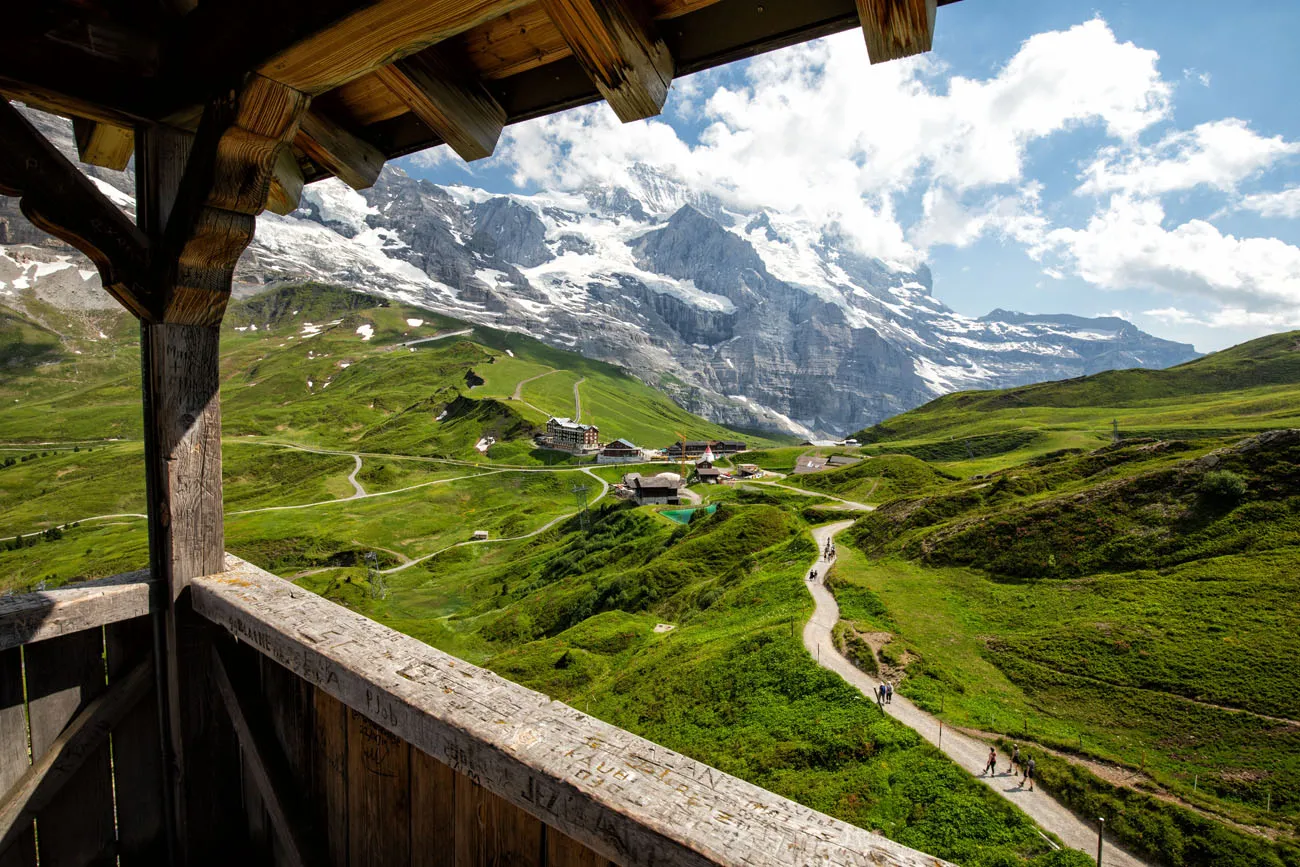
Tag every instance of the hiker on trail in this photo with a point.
(1015, 759)
(880, 695)
(991, 766)
(889, 692)
(1030, 767)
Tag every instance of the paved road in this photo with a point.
(968, 752)
(438, 337)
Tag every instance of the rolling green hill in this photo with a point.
(1248, 388)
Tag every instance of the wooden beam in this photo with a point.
(83, 736)
(455, 106)
(226, 183)
(896, 28)
(29, 617)
(269, 769)
(286, 184)
(59, 199)
(102, 144)
(626, 60)
(355, 162)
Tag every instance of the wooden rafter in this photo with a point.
(626, 60)
(896, 28)
(227, 182)
(59, 199)
(456, 106)
(286, 184)
(83, 736)
(103, 144)
(352, 160)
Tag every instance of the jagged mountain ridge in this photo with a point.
(753, 319)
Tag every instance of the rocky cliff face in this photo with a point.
(752, 319)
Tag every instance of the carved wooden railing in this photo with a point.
(330, 739)
(80, 755)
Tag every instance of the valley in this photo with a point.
(1120, 607)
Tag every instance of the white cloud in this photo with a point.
(1284, 203)
(1218, 154)
(1127, 246)
(815, 130)
(1229, 317)
(1201, 78)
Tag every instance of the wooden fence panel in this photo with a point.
(137, 751)
(329, 791)
(289, 705)
(433, 812)
(14, 759)
(564, 851)
(491, 832)
(63, 675)
(379, 795)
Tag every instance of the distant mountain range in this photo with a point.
(753, 319)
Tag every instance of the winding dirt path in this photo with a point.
(604, 489)
(577, 400)
(519, 386)
(968, 752)
(443, 336)
(358, 491)
(850, 504)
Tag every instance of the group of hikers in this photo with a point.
(829, 551)
(885, 693)
(1026, 765)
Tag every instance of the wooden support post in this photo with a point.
(619, 50)
(896, 28)
(196, 200)
(354, 162)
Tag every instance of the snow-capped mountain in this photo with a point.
(755, 319)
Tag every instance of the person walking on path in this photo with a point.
(991, 766)
(1030, 767)
(889, 692)
(880, 696)
(1015, 759)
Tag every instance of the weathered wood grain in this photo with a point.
(492, 831)
(621, 53)
(330, 773)
(14, 759)
(65, 676)
(31, 617)
(59, 199)
(226, 183)
(379, 795)
(631, 801)
(896, 28)
(433, 812)
(286, 184)
(103, 144)
(49, 779)
(456, 106)
(374, 35)
(137, 750)
(564, 851)
(353, 161)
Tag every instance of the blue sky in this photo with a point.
(1140, 157)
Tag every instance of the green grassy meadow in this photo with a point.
(1126, 609)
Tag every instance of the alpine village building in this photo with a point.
(568, 435)
(251, 720)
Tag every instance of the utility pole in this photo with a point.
(580, 497)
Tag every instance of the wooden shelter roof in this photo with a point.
(391, 77)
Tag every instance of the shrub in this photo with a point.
(1223, 487)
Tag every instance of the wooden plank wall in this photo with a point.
(379, 802)
(94, 818)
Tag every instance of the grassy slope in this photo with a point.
(1103, 603)
(1250, 387)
